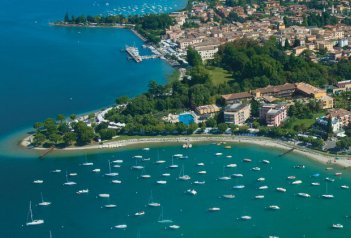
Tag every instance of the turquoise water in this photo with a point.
(186, 118)
(72, 215)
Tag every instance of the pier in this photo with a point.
(287, 152)
(46, 153)
(133, 52)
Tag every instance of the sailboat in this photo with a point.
(43, 203)
(182, 176)
(161, 219)
(224, 177)
(158, 161)
(110, 205)
(173, 166)
(33, 222)
(86, 163)
(145, 176)
(69, 183)
(136, 166)
(328, 196)
(151, 203)
(110, 173)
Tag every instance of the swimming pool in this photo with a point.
(186, 118)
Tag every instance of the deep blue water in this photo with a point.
(49, 70)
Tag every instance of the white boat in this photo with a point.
(237, 175)
(229, 156)
(182, 176)
(30, 220)
(329, 179)
(161, 219)
(174, 227)
(116, 166)
(173, 166)
(297, 182)
(214, 209)
(306, 195)
(43, 203)
(200, 164)
(122, 226)
(161, 182)
(166, 174)
(224, 178)
(245, 218)
(38, 181)
(259, 196)
(281, 190)
(199, 182)
(72, 174)
(110, 206)
(160, 162)
(329, 196)
(69, 183)
(104, 195)
(87, 164)
(247, 160)
(110, 173)
(191, 191)
(239, 186)
(151, 203)
(228, 196)
(256, 169)
(274, 207)
(300, 166)
(116, 181)
(137, 167)
(96, 170)
(145, 176)
(146, 148)
(139, 213)
(56, 171)
(219, 154)
(261, 179)
(231, 165)
(344, 187)
(263, 187)
(118, 161)
(291, 177)
(138, 156)
(178, 155)
(315, 184)
(266, 161)
(82, 191)
(338, 174)
(337, 226)
(202, 172)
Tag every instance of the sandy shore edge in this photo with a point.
(260, 141)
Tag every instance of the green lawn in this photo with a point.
(306, 122)
(219, 75)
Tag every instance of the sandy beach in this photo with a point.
(260, 141)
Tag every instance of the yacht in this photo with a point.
(138, 156)
(297, 182)
(43, 203)
(315, 184)
(191, 191)
(110, 173)
(146, 149)
(306, 195)
(266, 161)
(31, 221)
(116, 166)
(145, 176)
(231, 165)
(291, 177)
(199, 182)
(214, 209)
(38, 181)
(256, 169)
(160, 162)
(118, 161)
(337, 226)
(166, 174)
(228, 196)
(110, 205)
(219, 154)
(122, 226)
(245, 218)
(96, 170)
(142, 213)
(161, 182)
(56, 171)
(182, 176)
(202, 172)
(200, 164)
(224, 178)
(161, 219)
(239, 186)
(72, 174)
(274, 207)
(259, 196)
(173, 166)
(263, 187)
(229, 156)
(174, 227)
(82, 191)
(237, 175)
(87, 164)
(247, 160)
(344, 187)
(261, 179)
(69, 183)
(281, 190)
(329, 196)
(104, 195)
(151, 203)
(116, 181)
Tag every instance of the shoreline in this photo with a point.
(320, 157)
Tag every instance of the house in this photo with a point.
(285, 90)
(236, 97)
(273, 114)
(341, 114)
(207, 109)
(310, 91)
(237, 114)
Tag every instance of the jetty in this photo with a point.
(287, 152)
(133, 52)
(46, 153)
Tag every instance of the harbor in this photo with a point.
(134, 54)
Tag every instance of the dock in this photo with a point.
(46, 153)
(133, 52)
(287, 152)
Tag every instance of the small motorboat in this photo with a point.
(337, 226)
(305, 195)
(82, 191)
(214, 209)
(139, 213)
(281, 190)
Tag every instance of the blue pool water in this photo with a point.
(186, 118)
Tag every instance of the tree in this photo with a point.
(122, 100)
(255, 106)
(69, 138)
(73, 117)
(38, 125)
(211, 122)
(50, 126)
(66, 18)
(84, 133)
(38, 139)
(60, 118)
(54, 137)
(107, 134)
(193, 57)
(222, 127)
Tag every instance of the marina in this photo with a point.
(134, 54)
